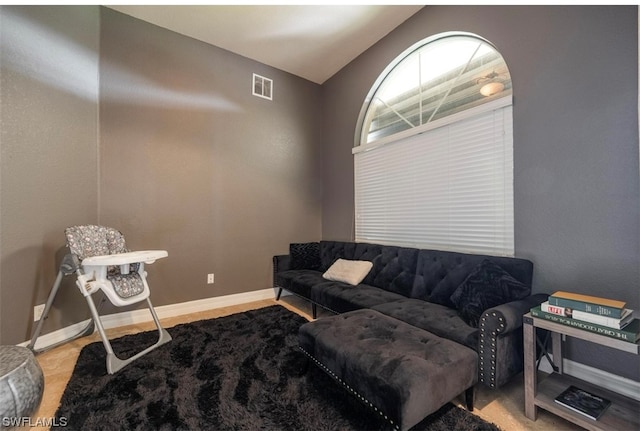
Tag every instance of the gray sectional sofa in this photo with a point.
(474, 300)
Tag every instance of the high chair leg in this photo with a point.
(115, 364)
(68, 266)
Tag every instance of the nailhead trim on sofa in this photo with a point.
(350, 389)
(489, 377)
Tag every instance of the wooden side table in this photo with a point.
(622, 414)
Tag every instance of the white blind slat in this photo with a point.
(448, 188)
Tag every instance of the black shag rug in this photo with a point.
(240, 372)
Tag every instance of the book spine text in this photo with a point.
(553, 309)
(602, 310)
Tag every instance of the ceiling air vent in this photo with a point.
(262, 87)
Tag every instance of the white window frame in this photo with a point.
(398, 224)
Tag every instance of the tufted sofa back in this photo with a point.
(439, 273)
(393, 267)
(430, 275)
(330, 251)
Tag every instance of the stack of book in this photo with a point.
(603, 316)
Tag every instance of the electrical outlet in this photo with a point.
(210, 279)
(37, 312)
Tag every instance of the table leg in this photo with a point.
(530, 377)
(556, 345)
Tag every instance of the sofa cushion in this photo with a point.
(488, 285)
(437, 319)
(299, 281)
(305, 255)
(341, 297)
(348, 271)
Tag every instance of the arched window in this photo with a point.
(434, 150)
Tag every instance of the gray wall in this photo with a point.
(182, 158)
(48, 154)
(576, 174)
(192, 163)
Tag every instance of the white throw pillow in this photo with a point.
(348, 271)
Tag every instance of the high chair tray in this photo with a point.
(146, 256)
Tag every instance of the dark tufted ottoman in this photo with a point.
(402, 372)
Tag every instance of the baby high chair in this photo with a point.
(101, 261)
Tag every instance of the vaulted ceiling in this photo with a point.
(310, 41)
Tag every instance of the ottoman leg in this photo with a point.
(468, 397)
(314, 310)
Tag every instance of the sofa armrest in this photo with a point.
(280, 263)
(500, 346)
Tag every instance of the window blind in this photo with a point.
(448, 188)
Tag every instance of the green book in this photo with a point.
(630, 333)
(588, 303)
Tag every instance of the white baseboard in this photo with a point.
(613, 382)
(173, 310)
(143, 315)
(57, 336)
